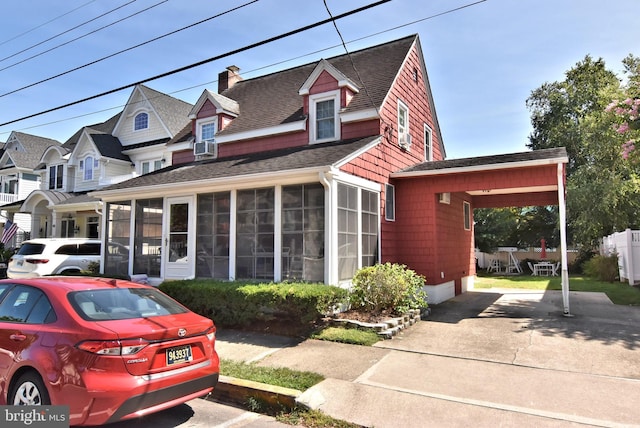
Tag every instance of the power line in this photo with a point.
(126, 50)
(65, 32)
(80, 37)
(206, 61)
(45, 23)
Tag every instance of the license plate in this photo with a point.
(19, 263)
(179, 354)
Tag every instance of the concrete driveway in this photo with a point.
(487, 358)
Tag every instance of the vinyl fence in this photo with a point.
(627, 245)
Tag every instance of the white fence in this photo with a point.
(627, 245)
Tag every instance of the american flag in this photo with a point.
(10, 229)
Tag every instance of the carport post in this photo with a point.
(563, 239)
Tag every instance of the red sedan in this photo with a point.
(109, 349)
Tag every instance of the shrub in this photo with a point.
(604, 268)
(241, 304)
(387, 287)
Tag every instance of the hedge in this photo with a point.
(240, 304)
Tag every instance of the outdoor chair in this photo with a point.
(533, 271)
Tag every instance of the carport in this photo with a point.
(446, 191)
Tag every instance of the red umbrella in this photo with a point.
(543, 249)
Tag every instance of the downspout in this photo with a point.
(563, 239)
(328, 227)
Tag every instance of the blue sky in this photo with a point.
(483, 60)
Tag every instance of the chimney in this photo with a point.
(228, 78)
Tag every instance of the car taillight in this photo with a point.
(211, 334)
(113, 347)
(37, 261)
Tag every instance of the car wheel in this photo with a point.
(29, 390)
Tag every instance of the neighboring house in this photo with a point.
(21, 155)
(131, 143)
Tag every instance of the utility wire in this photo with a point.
(66, 31)
(80, 37)
(126, 50)
(206, 61)
(45, 23)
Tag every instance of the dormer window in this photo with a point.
(206, 142)
(323, 112)
(88, 165)
(55, 177)
(141, 121)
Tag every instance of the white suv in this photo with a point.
(53, 256)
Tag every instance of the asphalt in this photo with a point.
(490, 358)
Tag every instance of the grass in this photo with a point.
(351, 336)
(313, 419)
(278, 376)
(618, 292)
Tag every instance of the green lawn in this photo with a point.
(620, 293)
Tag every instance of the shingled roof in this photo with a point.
(273, 99)
(317, 155)
(34, 148)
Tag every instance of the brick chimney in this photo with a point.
(228, 78)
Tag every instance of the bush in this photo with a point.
(603, 268)
(240, 304)
(387, 287)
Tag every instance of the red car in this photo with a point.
(109, 349)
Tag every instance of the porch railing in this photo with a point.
(7, 198)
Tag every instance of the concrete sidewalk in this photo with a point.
(484, 358)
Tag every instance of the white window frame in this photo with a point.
(151, 165)
(200, 124)
(389, 191)
(88, 168)
(313, 101)
(53, 174)
(135, 122)
(428, 143)
(403, 130)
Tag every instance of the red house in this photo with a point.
(313, 172)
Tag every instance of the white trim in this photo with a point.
(386, 206)
(427, 129)
(466, 215)
(313, 101)
(263, 132)
(357, 153)
(405, 134)
(359, 115)
(324, 65)
(484, 167)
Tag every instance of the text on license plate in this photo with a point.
(179, 354)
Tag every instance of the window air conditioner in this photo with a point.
(444, 198)
(405, 141)
(207, 147)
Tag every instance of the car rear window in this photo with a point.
(123, 303)
(27, 249)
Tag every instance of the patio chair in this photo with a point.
(533, 271)
(555, 269)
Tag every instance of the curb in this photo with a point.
(234, 391)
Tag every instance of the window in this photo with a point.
(28, 305)
(428, 143)
(467, 215)
(141, 121)
(303, 232)
(88, 168)
(255, 234)
(147, 241)
(116, 260)
(347, 231)
(150, 166)
(324, 117)
(55, 177)
(369, 221)
(208, 131)
(390, 203)
(93, 227)
(212, 236)
(403, 124)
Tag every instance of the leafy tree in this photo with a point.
(602, 187)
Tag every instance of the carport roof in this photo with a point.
(510, 160)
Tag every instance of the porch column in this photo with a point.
(563, 239)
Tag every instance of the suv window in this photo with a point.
(89, 249)
(28, 249)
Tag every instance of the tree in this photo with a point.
(602, 187)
